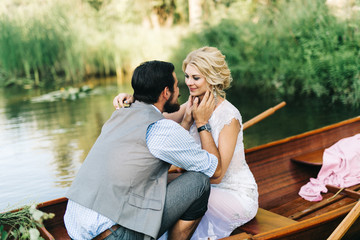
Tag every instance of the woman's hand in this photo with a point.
(203, 111)
(122, 100)
(175, 169)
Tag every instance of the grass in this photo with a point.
(64, 42)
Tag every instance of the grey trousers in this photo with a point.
(186, 198)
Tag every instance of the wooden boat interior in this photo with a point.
(283, 214)
(280, 176)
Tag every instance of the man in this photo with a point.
(121, 190)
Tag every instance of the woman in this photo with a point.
(234, 198)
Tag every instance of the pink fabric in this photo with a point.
(341, 168)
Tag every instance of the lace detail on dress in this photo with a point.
(238, 177)
(223, 115)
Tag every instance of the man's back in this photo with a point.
(120, 171)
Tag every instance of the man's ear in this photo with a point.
(166, 93)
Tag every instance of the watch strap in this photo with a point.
(204, 127)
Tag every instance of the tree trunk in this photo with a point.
(195, 13)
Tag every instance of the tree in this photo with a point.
(195, 13)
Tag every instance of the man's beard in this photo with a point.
(171, 107)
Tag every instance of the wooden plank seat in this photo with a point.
(312, 158)
(265, 221)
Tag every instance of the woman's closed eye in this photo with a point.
(193, 77)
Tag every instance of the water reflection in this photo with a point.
(298, 116)
(42, 145)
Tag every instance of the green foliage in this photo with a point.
(290, 48)
(46, 42)
(23, 224)
(95, 3)
(3, 233)
(38, 46)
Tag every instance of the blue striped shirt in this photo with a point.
(166, 140)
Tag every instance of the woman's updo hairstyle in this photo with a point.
(210, 62)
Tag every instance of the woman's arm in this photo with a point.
(201, 113)
(124, 98)
(227, 142)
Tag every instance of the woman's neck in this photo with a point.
(218, 101)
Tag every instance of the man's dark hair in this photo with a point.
(150, 79)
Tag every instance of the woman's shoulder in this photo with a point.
(228, 107)
(226, 112)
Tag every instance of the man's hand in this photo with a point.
(203, 111)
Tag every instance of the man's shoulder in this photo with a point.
(148, 110)
(168, 123)
(167, 128)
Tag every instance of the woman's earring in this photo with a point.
(215, 96)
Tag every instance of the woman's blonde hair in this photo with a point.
(210, 62)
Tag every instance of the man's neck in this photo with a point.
(159, 106)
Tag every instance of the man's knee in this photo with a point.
(200, 181)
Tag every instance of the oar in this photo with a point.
(251, 122)
(263, 115)
(346, 223)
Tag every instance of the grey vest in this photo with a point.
(120, 178)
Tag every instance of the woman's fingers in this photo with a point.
(116, 103)
(208, 100)
(121, 99)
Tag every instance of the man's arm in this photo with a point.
(170, 142)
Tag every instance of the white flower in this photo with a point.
(34, 234)
(37, 214)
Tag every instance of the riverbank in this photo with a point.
(289, 48)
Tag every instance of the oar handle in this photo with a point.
(346, 223)
(263, 115)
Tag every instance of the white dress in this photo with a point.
(234, 201)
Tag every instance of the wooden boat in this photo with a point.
(280, 169)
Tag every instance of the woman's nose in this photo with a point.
(188, 81)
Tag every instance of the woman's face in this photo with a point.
(196, 82)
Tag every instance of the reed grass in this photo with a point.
(66, 41)
(37, 44)
(291, 48)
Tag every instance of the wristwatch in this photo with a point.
(204, 127)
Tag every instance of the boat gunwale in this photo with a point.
(302, 135)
